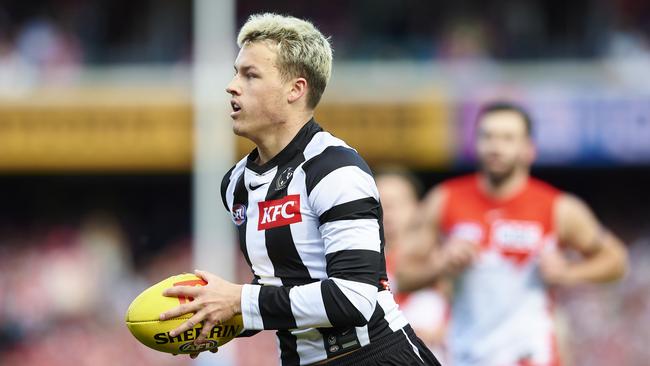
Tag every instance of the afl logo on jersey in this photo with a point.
(238, 214)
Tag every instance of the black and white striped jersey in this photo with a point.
(310, 227)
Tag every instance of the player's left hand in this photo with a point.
(554, 268)
(213, 303)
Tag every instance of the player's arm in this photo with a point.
(604, 257)
(423, 260)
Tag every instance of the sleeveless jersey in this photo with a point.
(501, 309)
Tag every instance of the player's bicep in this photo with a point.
(577, 226)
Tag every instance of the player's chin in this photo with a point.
(497, 174)
(238, 128)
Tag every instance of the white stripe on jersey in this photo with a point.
(361, 295)
(320, 142)
(311, 251)
(309, 344)
(393, 316)
(230, 191)
(309, 298)
(251, 313)
(255, 240)
(323, 197)
(363, 335)
(340, 235)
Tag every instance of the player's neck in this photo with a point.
(272, 143)
(506, 188)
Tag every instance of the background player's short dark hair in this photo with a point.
(402, 172)
(505, 106)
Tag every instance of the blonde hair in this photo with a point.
(302, 50)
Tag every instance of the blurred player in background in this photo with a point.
(308, 215)
(426, 309)
(499, 234)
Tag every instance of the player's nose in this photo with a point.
(232, 88)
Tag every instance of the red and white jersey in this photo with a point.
(501, 310)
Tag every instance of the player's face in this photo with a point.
(502, 144)
(258, 91)
(399, 203)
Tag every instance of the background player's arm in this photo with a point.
(423, 260)
(604, 257)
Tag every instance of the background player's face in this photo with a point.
(399, 203)
(503, 145)
(259, 99)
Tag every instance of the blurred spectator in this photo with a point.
(16, 76)
(56, 54)
(60, 35)
(610, 325)
(64, 291)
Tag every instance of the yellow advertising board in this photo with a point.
(416, 135)
(119, 131)
(143, 131)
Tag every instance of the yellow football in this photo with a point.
(142, 319)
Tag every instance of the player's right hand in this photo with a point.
(457, 254)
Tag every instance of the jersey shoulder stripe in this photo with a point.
(329, 160)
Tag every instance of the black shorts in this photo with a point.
(402, 348)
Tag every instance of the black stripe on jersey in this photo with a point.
(363, 208)
(358, 265)
(275, 308)
(281, 249)
(224, 187)
(340, 311)
(241, 197)
(378, 326)
(382, 265)
(332, 158)
(288, 347)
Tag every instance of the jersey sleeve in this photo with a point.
(343, 194)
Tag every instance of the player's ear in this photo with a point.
(298, 90)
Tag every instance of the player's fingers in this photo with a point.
(205, 332)
(189, 324)
(207, 276)
(194, 355)
(187, 291)
(191, 307)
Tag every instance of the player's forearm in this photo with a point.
(416, 275)
(608, 264)
(327, 303)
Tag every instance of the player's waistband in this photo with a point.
(376, 350)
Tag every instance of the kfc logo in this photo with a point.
(280, 212)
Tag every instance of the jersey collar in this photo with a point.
(297, 145)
